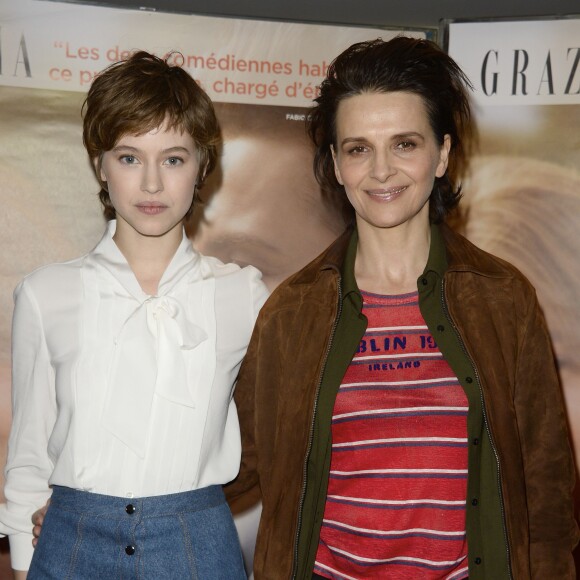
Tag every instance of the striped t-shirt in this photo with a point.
(395, 504)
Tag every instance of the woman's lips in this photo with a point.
(151, 208)
(386, 194)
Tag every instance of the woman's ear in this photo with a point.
(336, 170)
(98, 166)
(444, 156)
(200, 180)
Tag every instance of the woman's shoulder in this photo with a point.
(463, 253)
(57, 276)
(493, 272)
(237, 287)
(231, 270)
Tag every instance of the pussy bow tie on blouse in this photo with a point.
(153, 351)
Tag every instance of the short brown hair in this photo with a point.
(408, 65)
(139, 94)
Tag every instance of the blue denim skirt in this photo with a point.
(99, 537)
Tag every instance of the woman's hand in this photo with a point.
(37, 520)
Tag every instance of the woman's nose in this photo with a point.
(152, 181)
(382, 167)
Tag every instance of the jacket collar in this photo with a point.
(349, 284)
(449, 251)
(331, 259)
(463, 256)
(437, 260)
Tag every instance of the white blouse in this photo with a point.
(121, 393)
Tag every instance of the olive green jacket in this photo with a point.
(487, 323)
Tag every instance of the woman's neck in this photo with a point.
(148, 256)
(389, 260)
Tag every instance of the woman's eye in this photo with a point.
(174, 161)
(357, 150)
(128, 159)
(406, 145)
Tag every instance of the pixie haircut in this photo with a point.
(142, 93)
(401, 64)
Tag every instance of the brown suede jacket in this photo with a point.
(486, 320)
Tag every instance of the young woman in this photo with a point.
(399, 402)
(124, 359)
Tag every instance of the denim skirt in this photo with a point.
(87, 536)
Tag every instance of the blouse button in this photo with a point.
(130, 509)
(129, 550)
(477, 561)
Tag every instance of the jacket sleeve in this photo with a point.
(245, 485)
(546, 451)
(28, 466)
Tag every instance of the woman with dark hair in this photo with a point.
(124, 359)
(399, 401)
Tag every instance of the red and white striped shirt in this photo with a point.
(395, 504)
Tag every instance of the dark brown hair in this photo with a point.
(401, 64)
(139, 94)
